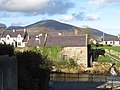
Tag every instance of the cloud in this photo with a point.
(79, 16)
(82, 16)
(4, 15)
(105, 1)
(102, 3)
(35, 7)
(8, 14)
(68, 18)
(92, 17)
(21, 5)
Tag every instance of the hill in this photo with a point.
(2, 27)
(14, 27)
(52, 26)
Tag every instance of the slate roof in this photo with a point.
(66, 41)
(25, 39)
(12, 34)
(33, 42)
(111, 39)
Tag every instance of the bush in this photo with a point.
(30, 74)
(6, 49)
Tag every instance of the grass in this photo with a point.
(115, 48)
(104, 59)
(114, 56)
(107, 58)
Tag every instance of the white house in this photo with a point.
(115, 41)
(14, 37)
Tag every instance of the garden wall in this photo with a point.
(8, 73)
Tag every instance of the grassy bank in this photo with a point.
(114, 48)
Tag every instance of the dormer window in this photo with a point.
(37, 38)
(19, 36)
(7, 37)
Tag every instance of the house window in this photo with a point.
(8, 38)
(106, 42)
(19, 43)
(111, 42)
(64, 57)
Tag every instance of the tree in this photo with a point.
(31, 76)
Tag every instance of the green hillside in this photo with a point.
(112, 55)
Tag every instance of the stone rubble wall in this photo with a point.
(78, 54)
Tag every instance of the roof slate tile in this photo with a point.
(66, 41)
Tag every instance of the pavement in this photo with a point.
(115, 85)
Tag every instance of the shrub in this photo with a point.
(31, 76)
(6, 49)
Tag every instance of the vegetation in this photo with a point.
(33, 68)
(65, 64)
(104, 59)
(54, 55)
(114, 52)
(31, 76)
(115, 48)
(6, 50)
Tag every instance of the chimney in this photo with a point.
(59, 34)
(75, 31)
(24, 30)
(29, 37)
(45, 39)
(40, 35)
(13, 30)
(118, 36)
(86, 39)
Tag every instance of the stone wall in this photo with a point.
(8, 73)
(78, 54)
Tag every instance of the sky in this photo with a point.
(103, 15)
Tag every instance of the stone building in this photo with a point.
(75, 47)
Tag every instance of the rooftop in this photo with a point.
(69, 41)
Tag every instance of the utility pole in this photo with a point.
(103, 36)
(119, 38)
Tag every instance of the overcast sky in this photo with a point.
(99, 14)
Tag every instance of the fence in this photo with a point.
(82, 77)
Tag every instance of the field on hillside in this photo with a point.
(110, 57)
(115, 48)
